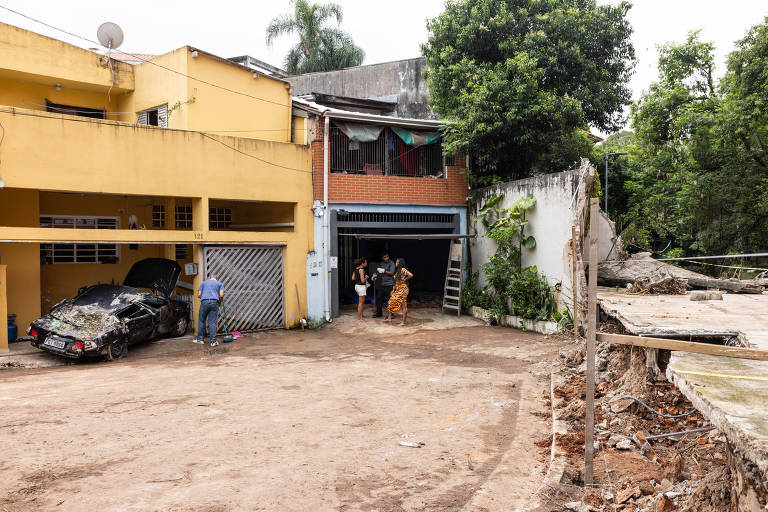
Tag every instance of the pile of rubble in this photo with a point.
(653, 450)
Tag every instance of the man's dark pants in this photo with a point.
(382, 297)
(209, 310)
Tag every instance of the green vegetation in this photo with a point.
(519, 81)
(320, 48)
(696, 177)
(511, 289)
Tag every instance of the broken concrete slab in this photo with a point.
(731, 393)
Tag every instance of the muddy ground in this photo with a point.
(288, 421)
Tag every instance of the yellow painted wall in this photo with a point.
(156, 85)
(31, 57)
(300, 130)
(258, 213)
(3, 312)
(214, 109)
(93, 156)
(20, 208)
(33, 96)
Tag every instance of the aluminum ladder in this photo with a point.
(453, 278)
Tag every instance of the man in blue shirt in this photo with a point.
(385, 283)
(210, 293)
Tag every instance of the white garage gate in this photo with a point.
(253, 285)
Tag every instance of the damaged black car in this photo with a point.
(105, 318)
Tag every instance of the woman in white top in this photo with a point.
(360, 278)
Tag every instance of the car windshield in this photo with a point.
(108, 297)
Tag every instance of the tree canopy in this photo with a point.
(696, 179)
(519, 80)
(320, 47)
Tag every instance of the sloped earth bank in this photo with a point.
(288, 421)
(685, 473)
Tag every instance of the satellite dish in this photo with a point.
(110, 35)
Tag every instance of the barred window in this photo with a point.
(53, 253)
(181, 251)
(183, 217)
(158, 216)
(450, 160)
(388, 155)
(219, 218)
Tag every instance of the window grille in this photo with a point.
(450, 160)
(53, 253)
(158, 216)
(398, 218)
(181, 251)
(183, 217)
(388, 155)
(219, 218)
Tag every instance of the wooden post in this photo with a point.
(575, 282)
(589, 449)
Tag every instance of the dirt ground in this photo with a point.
(287, 420)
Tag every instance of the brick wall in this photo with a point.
(360, 188)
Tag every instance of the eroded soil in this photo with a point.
(287, 421)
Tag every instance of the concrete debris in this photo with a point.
(624, 444)
(627, 494)
(708, 295)
(621, 405)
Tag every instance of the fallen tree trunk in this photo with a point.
(648, 271)
(725, 284)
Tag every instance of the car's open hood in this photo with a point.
(154, 274)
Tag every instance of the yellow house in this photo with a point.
(186, 156)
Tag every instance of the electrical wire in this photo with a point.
(674, 416)
(115, 123)
(149, 61)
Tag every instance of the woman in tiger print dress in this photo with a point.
(399, 298)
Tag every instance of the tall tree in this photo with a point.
(516, 78)
(320, 48)
(697, 177)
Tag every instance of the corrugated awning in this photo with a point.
(416, 236)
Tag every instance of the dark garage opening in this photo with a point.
(369, 234)
(426, 259)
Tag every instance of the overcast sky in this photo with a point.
(389, 30)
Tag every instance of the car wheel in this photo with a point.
(117, 350)
(180, 328)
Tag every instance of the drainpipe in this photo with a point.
(326, 226)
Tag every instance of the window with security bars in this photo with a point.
(158, 216)
(181, 252)
(53, 253)
(219, 218)
(450, 160)
(388, 155)
(183, 217)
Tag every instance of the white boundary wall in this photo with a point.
(550, 223)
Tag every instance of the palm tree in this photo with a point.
(320, 48)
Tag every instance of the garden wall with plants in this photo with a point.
(520, 258)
